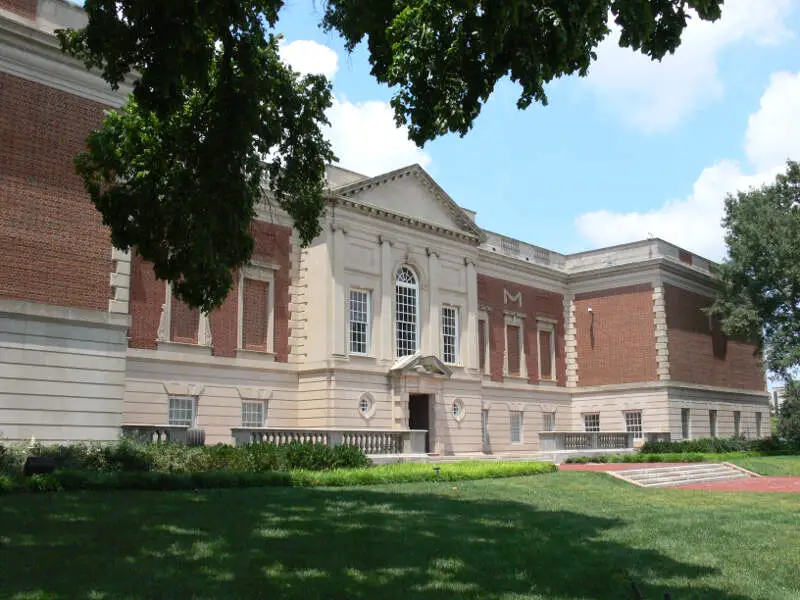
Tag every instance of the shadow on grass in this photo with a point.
(331, 544)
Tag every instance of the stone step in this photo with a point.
(689, 475)
(680, 482)
(699, 467)
(638, 475)
(677, 475)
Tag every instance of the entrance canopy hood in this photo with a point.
(420, 364)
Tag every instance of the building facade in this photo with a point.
(403, 315)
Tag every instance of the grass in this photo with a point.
(771, 465)
(559, 535)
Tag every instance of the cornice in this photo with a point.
(34, 55)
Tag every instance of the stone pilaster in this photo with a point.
(570, 342)
(470, 359)
(660, 322)
(120, 282)
(385, 332)
(298, 301)
(339, 293)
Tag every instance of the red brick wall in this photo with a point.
(25, 8)
(512, 339)
(272, 246)
(700, 354)
(620, 347)
(482, 330)
(53, 244)
(544, 353)
(184, 322)
(535, 303)
(254, 311)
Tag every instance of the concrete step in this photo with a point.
(681, 474)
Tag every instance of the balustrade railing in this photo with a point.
(155, 433)
(371, 441)
(573, 440)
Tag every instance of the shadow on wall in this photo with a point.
(331, 544)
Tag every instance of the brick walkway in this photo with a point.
(750, 484)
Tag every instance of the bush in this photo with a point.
(349, 457)
(263, 457)
(6, 484)
(720, 446)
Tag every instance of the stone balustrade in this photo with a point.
(657, 436)
(574, 440)
(371, 441)
(155, 433)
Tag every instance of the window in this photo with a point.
(458, 409)
(547, 352)
(516, 426)
(513, 350)
(758, 425)
(255, 311)
(485, 426)
(483, 343)
(366, 406)
(359, 321)
(181, 324)
(450, 335)
(591, 422)
(181, 411)
(406, 309)
(256, 308)
(737, 423)
(549, 421)
(252, 414)
(712, 422)
(686, 432)
(633, 423)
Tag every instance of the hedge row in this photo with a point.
(130, 457)
(396, 473)
(771, 445)
(673, 457)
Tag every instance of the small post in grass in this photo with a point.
(437, 469)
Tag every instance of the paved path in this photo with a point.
(750, 484)
(747, 484)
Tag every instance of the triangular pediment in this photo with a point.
(420, 364)
(411, 192)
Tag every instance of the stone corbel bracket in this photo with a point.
(183, 388)
(253, 393)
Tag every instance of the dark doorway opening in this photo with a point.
(419, 416)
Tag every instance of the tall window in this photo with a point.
(758, 425)
(737, 423)
(485, 426)
(547, 351)
(252, 414)
(686, 431)
(712, 422)
(181, 411)
(483, 343)
(633, 423)
(359, 321)
(516, 426)
(549, 421)
(450, 334)
(255, 315)
(406, 311)
(513, 342)
(591, 422)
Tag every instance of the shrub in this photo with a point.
(348, 456)
(263, 457)
(12, 458)
(43, 483)
(307, 456)
(6, 484)
(125, 455)
(720, 446)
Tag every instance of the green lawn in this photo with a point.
(562, 535)
(771, 465)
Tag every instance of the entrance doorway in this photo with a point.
(419, 415)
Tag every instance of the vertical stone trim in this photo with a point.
(570, 342)
(120, 282)
(660, 322)
(298, 301)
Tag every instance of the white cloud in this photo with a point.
(656, 96)
(772, 136)
(364, 135)
(307, 56)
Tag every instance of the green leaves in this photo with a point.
(760, 295)
(445, 57)
(178, 173)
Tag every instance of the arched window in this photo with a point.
(406, 292)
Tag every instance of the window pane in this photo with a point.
(252, 414)
(549, 423)
(758, 425)
(512, 339)
(737, 422)
(546, 354)
(591, 422)
(183, 322)
(359, 321)
(181, 411)
(482, 330)
(712, 421)
(685, 431)
(485, 426)
(449, 334)
(406, 312)
(633, 424)
(255, 312)
(516, 426)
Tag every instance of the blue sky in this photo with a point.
(637, 148)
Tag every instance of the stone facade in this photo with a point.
(484, 342)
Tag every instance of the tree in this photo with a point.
(759, 296)
(177, 173)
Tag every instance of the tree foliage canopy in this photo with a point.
(177, 174)
(760, 295)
